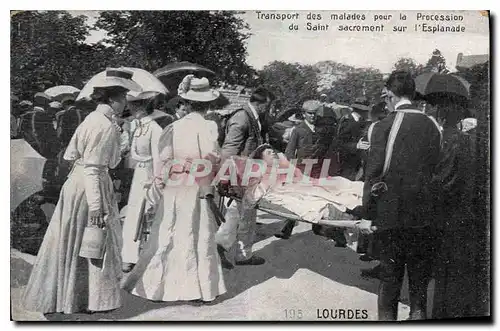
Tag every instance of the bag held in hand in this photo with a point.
(93, 242)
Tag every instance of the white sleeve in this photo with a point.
(92, 186)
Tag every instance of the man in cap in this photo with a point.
(303, 144)
(350, 131)
(323, 98)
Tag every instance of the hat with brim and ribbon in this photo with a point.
(197, 89)
(361, 104)
(117, 77)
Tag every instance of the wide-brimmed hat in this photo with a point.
(312, 106)
(147, 95)
(361, 104)
(197, 89)
(118, 77)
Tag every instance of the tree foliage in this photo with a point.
(355, 83)
(153, 39)
(292, 83)
(437, 63)
(46, 49)
(409, 64)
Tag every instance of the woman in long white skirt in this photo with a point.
(144, 152)
(61, 281)
(180, 260)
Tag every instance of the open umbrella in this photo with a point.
(26, 167)
(172, 74)
(62, 92)
(146, 80)
(432, 83)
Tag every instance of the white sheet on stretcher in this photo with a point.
(311, 203)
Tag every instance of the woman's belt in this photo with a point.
(79, 163)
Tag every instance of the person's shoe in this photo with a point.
(282, 235)
(127, 267)
(371, 272)
(223, 259)
(340, 244)
(254, 260)
(366, 258)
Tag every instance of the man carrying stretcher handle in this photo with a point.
(269, 179)
(242, 137)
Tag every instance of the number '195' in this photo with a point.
(293, 314)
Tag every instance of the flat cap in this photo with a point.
(312, 105)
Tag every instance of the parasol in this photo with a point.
(435, 83)
(26, 167)
(62, 92)
(172, 74)
(146, 80)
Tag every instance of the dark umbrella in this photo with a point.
(172, 74)
(430, 83)
(42, 100)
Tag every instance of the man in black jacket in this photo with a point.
(351, 129)
(303, 144)
(404, 151)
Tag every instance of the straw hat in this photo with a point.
(197, 89)
(118, 77)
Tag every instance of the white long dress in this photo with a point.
(144, 151)
(61, 280)
(180, 260)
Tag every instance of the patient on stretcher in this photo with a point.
(309, 199)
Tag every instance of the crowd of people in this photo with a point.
(414, 161)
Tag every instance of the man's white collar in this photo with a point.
(311, 126)
(254, 112)
(401, 102)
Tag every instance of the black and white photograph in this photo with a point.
(257, 165)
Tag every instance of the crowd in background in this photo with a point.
(419, 203)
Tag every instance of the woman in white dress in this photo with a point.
(144, 153)
(180, 260)
(61, 281)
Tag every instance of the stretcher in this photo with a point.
(280, 211)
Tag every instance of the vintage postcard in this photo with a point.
(250, 165)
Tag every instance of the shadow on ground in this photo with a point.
(284, 257)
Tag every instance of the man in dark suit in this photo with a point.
(351, 129)
(404, 151)
(242, 137)
(303, 144)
